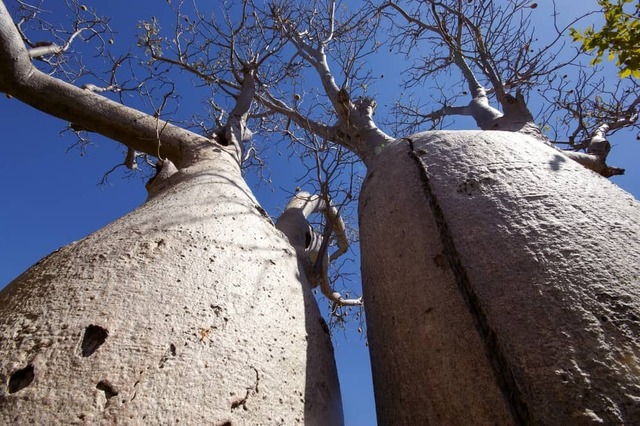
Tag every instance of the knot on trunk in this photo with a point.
(164, 170)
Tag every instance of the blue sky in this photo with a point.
(51, 197)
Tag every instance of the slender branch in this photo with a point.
(332, 22)
(317, 128)
(315, 56)
(408, 17)
(54, 49)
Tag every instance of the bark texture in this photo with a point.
(189, 309)
(501, 284)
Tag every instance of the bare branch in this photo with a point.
(137, 130)
(484, 40)
(53, 49)
(590, 110)
(354, 126)
(315, 55)
(304, 122)
(594, 162)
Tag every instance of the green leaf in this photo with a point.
(619, 37)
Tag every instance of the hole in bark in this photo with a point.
(107, 388)
(21, 379)
(169, 353)
(604, 318)
(220, 137)
(94, 337)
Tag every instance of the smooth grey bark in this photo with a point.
(189, 309)
(501, 284)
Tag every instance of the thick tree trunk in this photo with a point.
(501, 284)
(189, 309)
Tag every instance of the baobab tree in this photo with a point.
(193, 308)
(498, 274)
(480, 289)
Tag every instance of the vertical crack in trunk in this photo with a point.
(494, 352)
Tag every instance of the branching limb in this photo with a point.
(223, 54)
(598, 147)
(276, 105)
(310, 245)
(338, 228)
(52, 48)
(235, 132)
(314, 55)
(490, 44)
(90, 111)
(598, 113)
(479, 107)
(354, 127)
(595, 163)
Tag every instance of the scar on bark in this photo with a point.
(451, 257)
(310, 245)
(109, 390)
